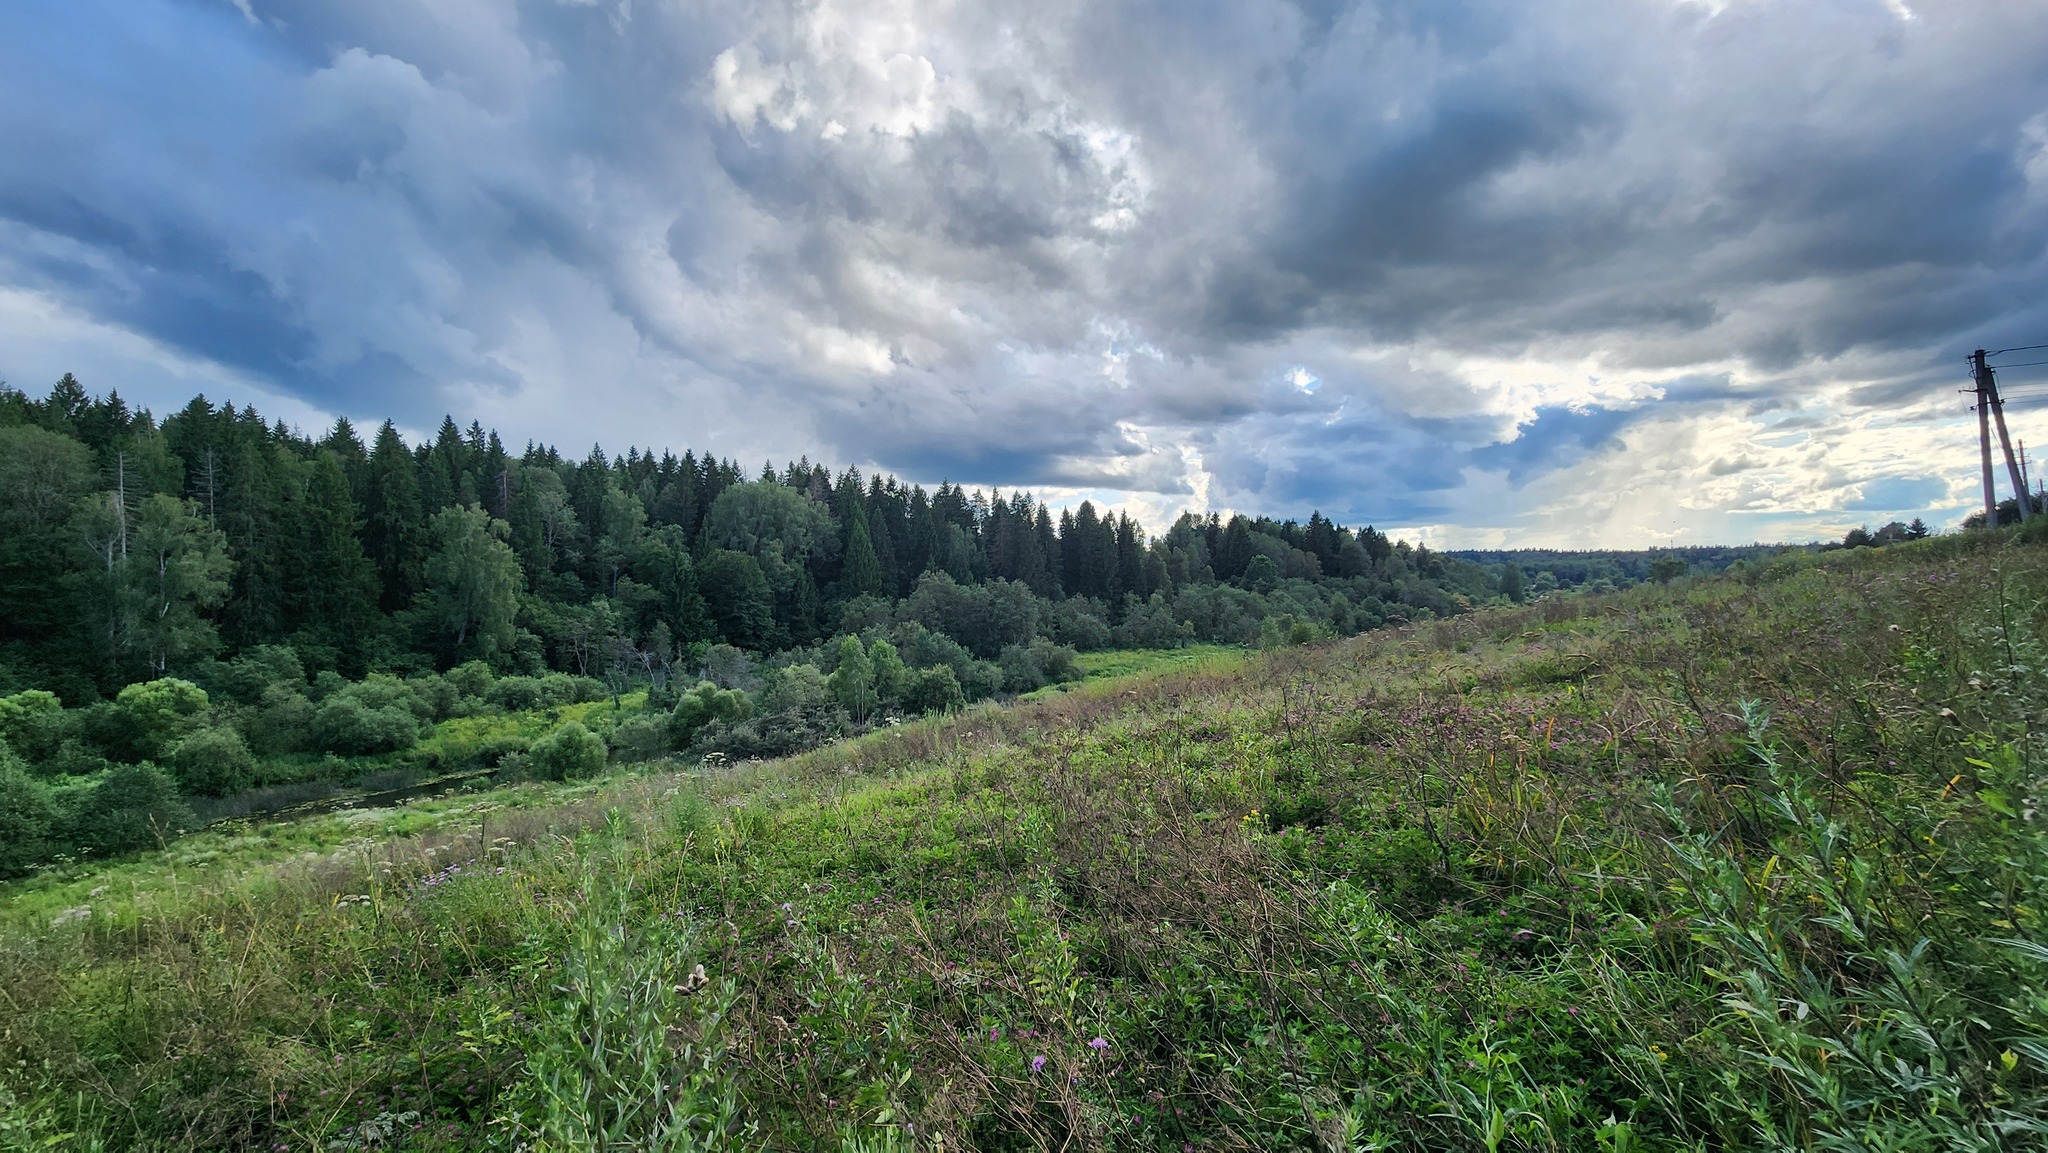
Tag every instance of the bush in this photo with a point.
(1026, 667)
(569, 751)
(934, 690)
(641, 738)
(798, 688)
(283, 722)
(1152, 625)
(557, 689)
(1079, 622)
(148, 718)
(75, 758)
(349, 726)
(438, 699)
(515, 694)
(213, 762)
(701, 706)
(32, 723)
(250, 675)
(923, 648)
(132, 807)
(473, 680)
(26, 817)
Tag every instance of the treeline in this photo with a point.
(1542, 570)
(132, 548)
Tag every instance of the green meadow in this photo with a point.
(1745, 862)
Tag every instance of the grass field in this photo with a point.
(1715, 865)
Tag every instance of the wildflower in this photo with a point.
(1037, 1064)
(1098, 1044)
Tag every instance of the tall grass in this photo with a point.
(1733, 864)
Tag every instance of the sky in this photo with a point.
(1564, 273)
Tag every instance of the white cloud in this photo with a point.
(1593, 271)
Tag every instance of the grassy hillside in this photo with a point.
(1708, 865)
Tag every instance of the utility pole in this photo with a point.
(2012, 464)
(1982, 374)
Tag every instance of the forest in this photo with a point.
(213, 604)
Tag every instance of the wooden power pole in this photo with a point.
(1982, 374)
(1987, 394)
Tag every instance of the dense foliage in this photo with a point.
(1752, 862)
(133, 548)
(214, 603)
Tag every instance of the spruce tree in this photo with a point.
(395, 525)
(860, 570)
(334, 586)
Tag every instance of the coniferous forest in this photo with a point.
(212, 604)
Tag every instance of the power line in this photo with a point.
(2022, 364)
(2016, 348)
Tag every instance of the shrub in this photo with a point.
(557, 689)
(934, 690)
(32, 724)
(148, 718)
(515, 694)
(701, 706)
(348, 725)
(641, 738)
(132, 807)
(798, 688)
(283, 723)
(75, 758)
(1026, 667)
(1152, 625)
(213, 762)
(980, 679)
(250, 675)
(891, 677)
(1079, 622)
(473, 680)
(569, 751)
(26, 817)
(438, 699)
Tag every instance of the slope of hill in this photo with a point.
(1720, 863)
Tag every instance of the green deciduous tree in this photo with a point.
(175, 569)
(741, 603)
(473, 582)
(853, 680)
(155, 715)
(213, 762)
(571, 750)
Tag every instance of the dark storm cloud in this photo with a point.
(1080, 246)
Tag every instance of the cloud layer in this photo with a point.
(1576, 272)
